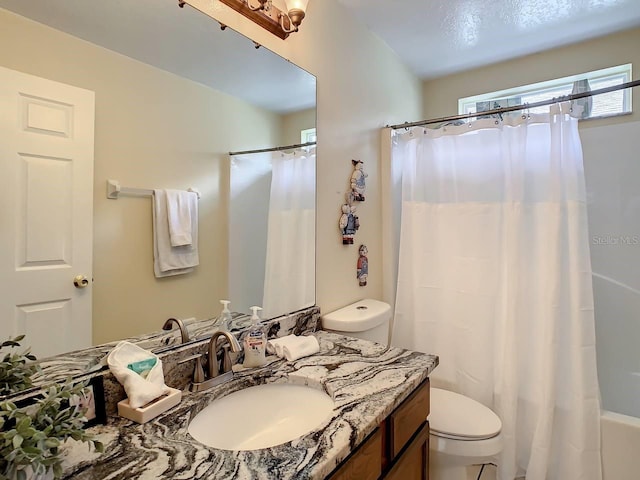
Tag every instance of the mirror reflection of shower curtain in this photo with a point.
(289, 282)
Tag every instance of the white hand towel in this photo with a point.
(141, 389)
(168, 260)
(274, 347)
(182, 210)
(300, 347)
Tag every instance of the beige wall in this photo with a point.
(294, 123)
(362, 86)
(153, 130)
(441, 95)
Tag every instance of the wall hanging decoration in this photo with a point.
(363, 265)
(358, 176)
(349, 223)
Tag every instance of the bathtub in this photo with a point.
(620, 446)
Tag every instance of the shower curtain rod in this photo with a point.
(515, 108)
(274, 149)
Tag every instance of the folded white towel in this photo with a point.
(168, 260)
(274, 347)
(182, 210)
(141, 388)
(293, 347)
(300, 347)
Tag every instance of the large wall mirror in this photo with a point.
(174, 94)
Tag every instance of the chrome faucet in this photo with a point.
(183, 330)
(216, 377)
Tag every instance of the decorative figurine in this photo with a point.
(349, 223)
(363, 265)
(357, 180)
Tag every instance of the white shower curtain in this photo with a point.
(289, 282)
(495, 278)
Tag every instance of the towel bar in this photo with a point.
(114, 190)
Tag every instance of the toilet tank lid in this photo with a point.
(358, 317)
(460, 416)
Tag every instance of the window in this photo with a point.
(308, 135)
(604, 105)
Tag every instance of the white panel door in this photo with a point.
(46, 212)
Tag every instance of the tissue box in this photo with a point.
(151, 409)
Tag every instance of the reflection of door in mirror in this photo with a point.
(173, 95)
(272, 260)
(46, 159)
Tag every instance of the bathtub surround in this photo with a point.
(494, 271)
(366, 380)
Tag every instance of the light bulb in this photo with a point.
(296, 4)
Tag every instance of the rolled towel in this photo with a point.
(274, 347)
(299, 347)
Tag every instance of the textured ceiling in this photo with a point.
(182, 41)
(439, 37)
(433, 37)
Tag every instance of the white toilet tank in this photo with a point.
(367, 319)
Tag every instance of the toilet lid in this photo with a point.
(455, 415)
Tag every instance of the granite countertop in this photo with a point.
(366, 381)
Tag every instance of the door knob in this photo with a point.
(80, 281)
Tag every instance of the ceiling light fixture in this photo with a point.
(270, 17)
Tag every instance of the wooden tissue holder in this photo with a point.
(152, 409)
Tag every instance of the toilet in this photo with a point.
(367, 319)
(463, 432)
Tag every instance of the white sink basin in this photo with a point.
(261, 417)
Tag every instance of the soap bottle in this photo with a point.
(255, 342)
(224, 321)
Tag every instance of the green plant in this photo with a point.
(30, 436)
(15, 371)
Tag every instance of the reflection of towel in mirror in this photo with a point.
(182, 209)
(140, 389)
(168, 260)
(293, 347)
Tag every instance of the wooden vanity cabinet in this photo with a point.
(398, 449)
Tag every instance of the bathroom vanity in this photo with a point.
(398, 449)
(377, 427)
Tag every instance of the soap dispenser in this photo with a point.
(224, 320)
(255, 342)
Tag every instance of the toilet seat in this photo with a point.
(461, 438)
(457, 417)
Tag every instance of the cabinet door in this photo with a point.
(365, 463)
(408, 417)
(413, 464)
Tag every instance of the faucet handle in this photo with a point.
(226, 359)
(198, 371)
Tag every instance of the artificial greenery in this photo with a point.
(30, 436)
(15, 368)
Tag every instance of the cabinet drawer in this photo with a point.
(365, 463)
(413, 464)
(408, 417)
